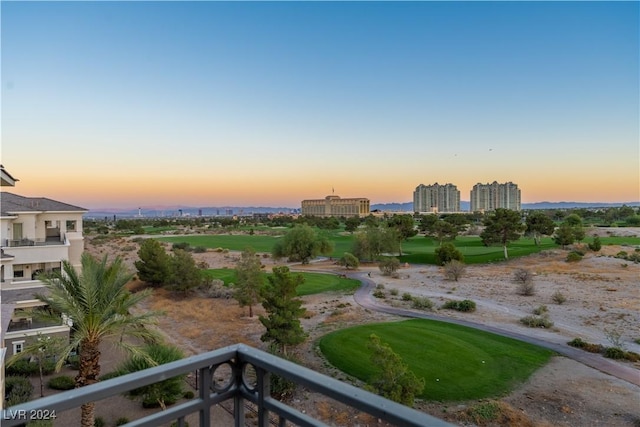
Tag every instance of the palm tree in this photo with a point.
(99, 305)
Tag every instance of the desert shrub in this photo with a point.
(408, 297)
(389, 265)
(622, 255)
(63, 382)
(379, 286)
(188, 394)
(99, 422)
(573, 256)
(634, 257)
(216, 289)
(393, 292)
(522, 275)
(379, 294)
(540, 310)
(465, 305)
(454, 269)
(199, 249)
(527, 289)
(537, 321)
(18, 389)
(558, 297)
(484, 412)
(181, 245)
(632, 356)
(614, 337)
(175, 424)
(596, 245)
(422, 303)
(614, 353)
(586, 346)
(637, 341)
(122, 421)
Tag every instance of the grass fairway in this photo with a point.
(314, 283)
(456, 362)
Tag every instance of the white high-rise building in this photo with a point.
(436, 198)
(489, 197)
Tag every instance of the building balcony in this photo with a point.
(239, 374)
(33, 242)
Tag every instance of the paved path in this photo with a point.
(627, 373)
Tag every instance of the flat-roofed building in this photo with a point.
(336, 206)
(436, 198)
(489, 197)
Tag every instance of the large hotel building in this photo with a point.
(436, 198)
(335, 206)
(488, 197)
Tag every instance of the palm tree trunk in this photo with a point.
(88, 374)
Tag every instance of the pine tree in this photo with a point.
(249, 280)
(154, 266)
(283, 310)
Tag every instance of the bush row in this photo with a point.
(610, 352)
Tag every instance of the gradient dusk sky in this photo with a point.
(128, 104)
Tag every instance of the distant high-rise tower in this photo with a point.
(436, 198)
(489, 197)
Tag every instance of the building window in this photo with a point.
(18, 271)
(71, 226)
(18, 346)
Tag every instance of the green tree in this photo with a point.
(351, 224)
(163, 393)
(501, 227)
(394, 380)
(539, 224)
(569, 231)
(349, 261)
(302, 244)
(249, 280)
(43, 348)
(185, 274)
(154, 265)
(425, 222)
(447, 252)
(596, 245)
(99, 304)
(442, 230)
(283, 309)
(405, 228)
(374, 241)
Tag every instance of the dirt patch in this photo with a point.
(601, 293)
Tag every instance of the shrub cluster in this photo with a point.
(379, 294)
(26, 368)
(633, 257)
(422, 303)
(465, 305)
(610, 352)
(407, 296)
(537, 321)
(541, 310)
(18, 389)
(558, 297)
(63, 382)
(574, 256)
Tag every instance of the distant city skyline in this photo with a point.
(130, 104)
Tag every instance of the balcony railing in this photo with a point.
(33, 242)
(245, 373)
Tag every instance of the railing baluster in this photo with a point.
(205, 377)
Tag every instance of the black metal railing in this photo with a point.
(237, 373)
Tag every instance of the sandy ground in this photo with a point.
(602, 299)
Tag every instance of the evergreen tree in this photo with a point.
(185, 274)
(502, 226)
(283, 309)
(249, 280)
(539, 224)
(394, 380)
(154, 266)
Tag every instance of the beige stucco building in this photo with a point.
(336, 206)
(489, 197)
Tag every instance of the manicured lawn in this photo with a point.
(456, 362)
(416, 250)
(314, 283)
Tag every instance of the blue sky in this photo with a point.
(122, 104)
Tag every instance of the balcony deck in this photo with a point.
(245, 375)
